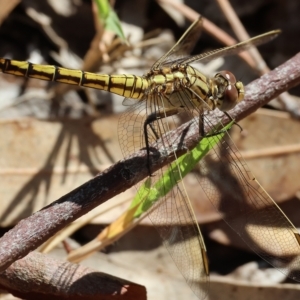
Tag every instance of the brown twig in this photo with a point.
(30, 233)
(271, 151)
(6, 8)
(38, 276)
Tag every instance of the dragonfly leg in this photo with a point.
(201, 126)
(234, 122)
(151, 118)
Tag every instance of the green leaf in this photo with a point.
(147, 195)
(113, 24)
(109, 18)
(103, 8)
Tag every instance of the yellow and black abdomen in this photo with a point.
(130, 86)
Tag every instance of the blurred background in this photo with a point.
(55, 137)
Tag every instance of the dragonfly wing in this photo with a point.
(230, 50)
(172, 215)
(131, 122)
(178, 228)
(129, 102)
(248, 209)
(184, 45)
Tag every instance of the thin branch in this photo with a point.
(7, 7)
(31, 232)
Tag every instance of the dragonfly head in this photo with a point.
(230, 91)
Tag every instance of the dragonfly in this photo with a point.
(173, 87)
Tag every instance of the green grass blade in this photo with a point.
(148, 194)
(109, 18)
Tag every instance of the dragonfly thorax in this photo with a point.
(180, 86)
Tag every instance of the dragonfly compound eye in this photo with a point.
(231, 91)
(230, 98)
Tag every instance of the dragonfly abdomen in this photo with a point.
(130, 86)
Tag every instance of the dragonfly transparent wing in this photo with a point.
(184, 45)
(172, 215)
(230, 50)
(248, 209)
